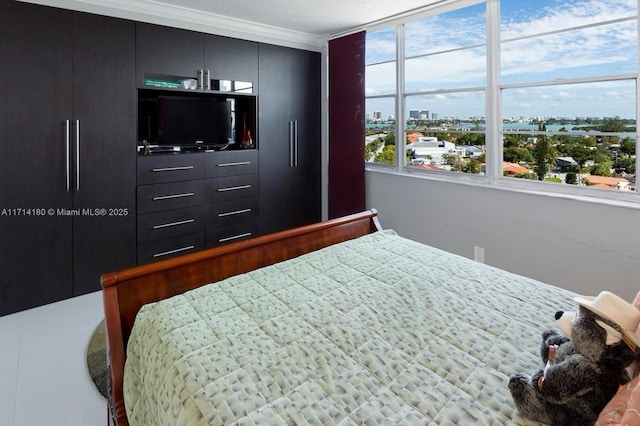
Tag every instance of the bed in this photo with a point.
(338, 322)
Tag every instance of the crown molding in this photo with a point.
(156, 12)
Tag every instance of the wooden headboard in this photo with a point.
(126, 291)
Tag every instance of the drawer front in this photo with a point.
(232, 188)
(174, 195)
(231, 163)
(169, 168)
(170, 247)
(230, 234)
(231, 212)
(170, 223)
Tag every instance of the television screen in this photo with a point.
(187, 120)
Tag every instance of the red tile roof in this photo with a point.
(414, 136)
(513, 168)
(610, 181)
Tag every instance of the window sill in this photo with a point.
(626, 199)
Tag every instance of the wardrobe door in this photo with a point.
(35, 193)
(165, 51)
(306, 179)
(290, 173)
(104, 109)
(232, 59)
(275, 138)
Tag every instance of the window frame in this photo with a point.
(493, 176)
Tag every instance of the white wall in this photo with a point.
(582, 246)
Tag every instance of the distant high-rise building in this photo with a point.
(377, 115)
(414, 113)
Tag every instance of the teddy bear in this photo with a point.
(583, 368)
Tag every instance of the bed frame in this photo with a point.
(124, 292)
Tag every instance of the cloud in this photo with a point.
(603, 99)
(444, 53)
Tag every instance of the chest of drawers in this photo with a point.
(188, 202)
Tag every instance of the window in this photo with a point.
(568, 84)
(538, 95)
(444, 85)
(380, 104)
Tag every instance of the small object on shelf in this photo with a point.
(162, 83)
(147, 149)
(189, 83)
(247, 142)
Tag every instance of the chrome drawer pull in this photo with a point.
(166, 225)
(164, 253)
(172, 169)
(234, 212)
(239, 163)
(234, 188)
(235, 237)
(167, 197)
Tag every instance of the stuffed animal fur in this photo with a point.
(584, 369)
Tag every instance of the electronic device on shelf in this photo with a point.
(169, 149)
(177, 122)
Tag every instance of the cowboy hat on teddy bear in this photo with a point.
(584, 368)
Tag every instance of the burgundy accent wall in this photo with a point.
(346, 192)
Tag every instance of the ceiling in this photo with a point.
(296, 23)
(317, 17)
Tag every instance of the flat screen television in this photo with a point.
(186, 121)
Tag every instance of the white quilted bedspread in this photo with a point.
(378, 330)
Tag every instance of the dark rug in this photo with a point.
(97, 359)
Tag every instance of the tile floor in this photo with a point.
(43, 374)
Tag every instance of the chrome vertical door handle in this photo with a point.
(77, 155)
(201, 79)
(207, 84)
(295, 143)
(68, 153)
(290, 143)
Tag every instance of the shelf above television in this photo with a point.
(198, 84)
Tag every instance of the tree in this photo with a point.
(627, 164)
(581, 154)
(456, 162)
(601, 169)
(571, 178)
(372, 148)
(473, 166)
(387, 156)
(613, 125)
(510, 141)
(470, 139)
(545, 157)
(514, 154)
(628, 146)
(410, 155)
(390, 139)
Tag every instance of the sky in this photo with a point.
(447, 51)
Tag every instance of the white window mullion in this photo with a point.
(637, 102)
(493, 96)
(400, 99)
